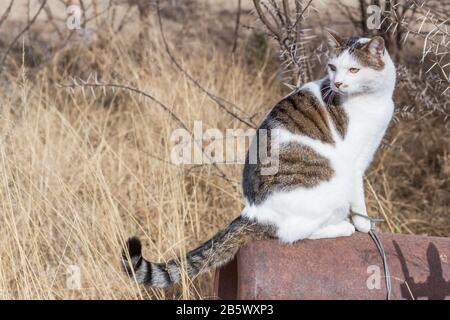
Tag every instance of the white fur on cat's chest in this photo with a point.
(368, 120)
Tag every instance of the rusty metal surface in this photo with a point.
(342, 268)
(225, 281)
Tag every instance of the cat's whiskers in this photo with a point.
(328, 95)
(331, 98)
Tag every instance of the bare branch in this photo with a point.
(219, 101)
(236, 28)
(429, 24)
(291, 37)
(275, 31)
(92, 82)
(27, 27)
(6, 13)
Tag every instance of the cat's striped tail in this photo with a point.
(212, 254)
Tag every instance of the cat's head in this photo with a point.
(359, 65)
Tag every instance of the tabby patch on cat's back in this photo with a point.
(304, 112)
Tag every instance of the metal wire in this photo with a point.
(380, 247)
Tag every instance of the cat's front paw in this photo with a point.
(361, 224)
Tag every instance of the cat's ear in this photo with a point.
(375, 46)
(334, 40)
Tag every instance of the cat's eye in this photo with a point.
(332, 67)
(353, 70)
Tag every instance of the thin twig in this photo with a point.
(236, 28)
(29, 24)
(291, 37)
(6, 13)
(213, 97)
(80, 83)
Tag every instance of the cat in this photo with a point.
(327, 131)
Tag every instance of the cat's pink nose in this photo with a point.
(338, 84)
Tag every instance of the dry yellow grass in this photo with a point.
(80, 172)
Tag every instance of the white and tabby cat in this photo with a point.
(328, 132)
